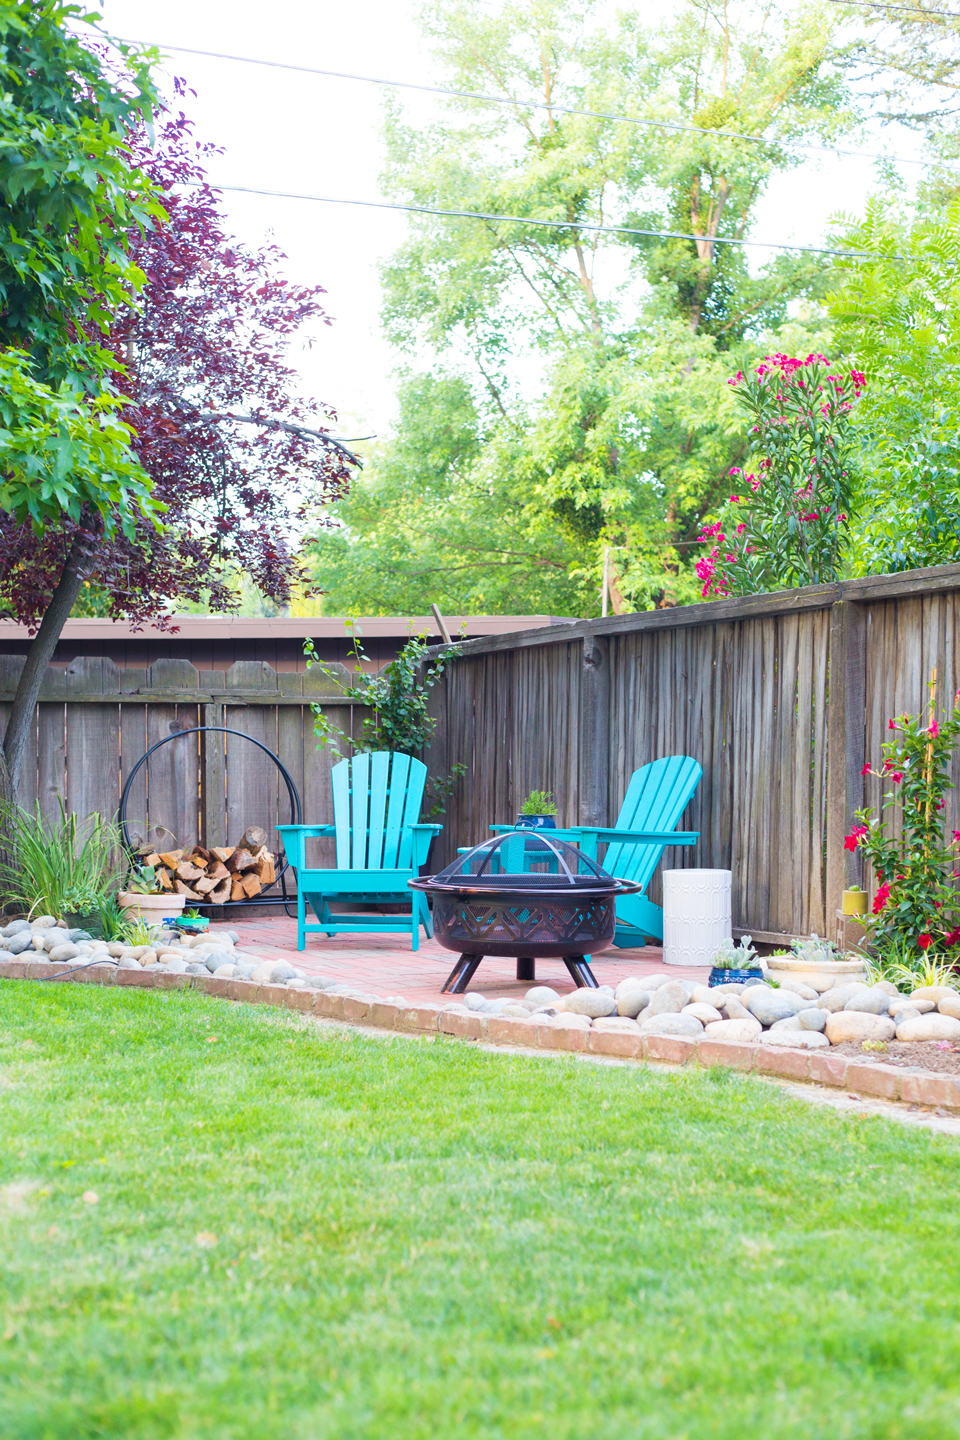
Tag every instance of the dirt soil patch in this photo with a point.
(920, 1054)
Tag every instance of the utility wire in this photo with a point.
(536, 104)
(549, 224)
(904, 9)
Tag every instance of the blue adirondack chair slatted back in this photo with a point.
(656, 797)
(374, 797)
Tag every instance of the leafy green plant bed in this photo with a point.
(221, 1221)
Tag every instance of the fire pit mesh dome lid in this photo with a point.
(524, 860)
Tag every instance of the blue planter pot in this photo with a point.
(733, 977)
(536, 822)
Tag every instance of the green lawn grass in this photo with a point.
(418, 1239)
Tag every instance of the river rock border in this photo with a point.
(867, 1078)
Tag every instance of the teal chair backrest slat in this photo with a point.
(376, 798)
(656, 798)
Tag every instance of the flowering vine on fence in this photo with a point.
(915, 903)
(785, 523)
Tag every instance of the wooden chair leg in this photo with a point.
(461, 975)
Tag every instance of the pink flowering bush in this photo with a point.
(786, 520)
(915, 902)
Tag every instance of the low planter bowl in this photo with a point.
(820, 975)
(152, 908)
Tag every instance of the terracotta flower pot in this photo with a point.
(152, 908)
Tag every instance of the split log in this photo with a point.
(204, 886)
(183, 889)
(217, 870)
(153, 859)
(237, 891)
(172, 858)
(163, 879)
(221, 893)
(188, 871)
(253, 838)
(200, 855)
(240, 860)
(250, 885)
(222, 852)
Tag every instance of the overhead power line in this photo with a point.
(536, 104)
(549, 224)
(903, 9)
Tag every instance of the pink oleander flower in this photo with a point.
(734, 499)
(740, 528)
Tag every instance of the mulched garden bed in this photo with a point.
(921, 1054)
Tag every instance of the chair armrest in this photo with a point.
(422, 835)
(641, 837)
(295, 835)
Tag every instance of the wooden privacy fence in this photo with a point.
(95, 720)
(780, 697)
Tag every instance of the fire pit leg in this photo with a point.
(579, 968)
(526, 967)
(461, 974)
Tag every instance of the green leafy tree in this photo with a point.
(68, 195)
(593, 360)
(897, 309)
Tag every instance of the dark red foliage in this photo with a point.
(210, 342)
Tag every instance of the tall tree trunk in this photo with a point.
(76, 566)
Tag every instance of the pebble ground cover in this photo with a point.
(304, 1232)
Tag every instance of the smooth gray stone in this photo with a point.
(473, 1000)
(751, 984)
(542, 995)
(15, 927)
(128, 963)
(670, 999)
(789, 1022)
(836, 998)
(813, 1019)
(768, 1005)
(870, 1002)
(19, 941)
(279, 974)
(66, 951)
(195, 968)
(671, 1024)
(216, 958)
(7, 955)
(632, 996)
(77, 935)
(176, 967)
(592, 1003)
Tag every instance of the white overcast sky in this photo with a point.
(284, 131)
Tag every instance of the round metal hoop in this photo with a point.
(296, 809)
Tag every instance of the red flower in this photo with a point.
(880, 899)
(890, 725)
(934, 729)
(866, 769)
(953, 938)
(924, 941)
(852, 840)
(897, 776)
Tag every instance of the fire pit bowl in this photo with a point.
(526, 894)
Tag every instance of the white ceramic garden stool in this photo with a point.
(696, 915)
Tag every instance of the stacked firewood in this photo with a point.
(231, 872)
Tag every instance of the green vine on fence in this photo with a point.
(397, 698)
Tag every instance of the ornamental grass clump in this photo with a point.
(787, 525)
(915, 905)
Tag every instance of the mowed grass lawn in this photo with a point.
(305, 1233)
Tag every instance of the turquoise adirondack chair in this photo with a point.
(656, 797)
(381, 844)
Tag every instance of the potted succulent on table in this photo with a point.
(143, 898)
(538, 812)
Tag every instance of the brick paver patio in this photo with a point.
(385, 964)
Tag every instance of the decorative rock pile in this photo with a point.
(172, 952)
(793, 1014)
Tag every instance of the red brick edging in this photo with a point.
(877, 1081)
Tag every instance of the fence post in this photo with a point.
(594, 731)
(214, 814)
(846, 745)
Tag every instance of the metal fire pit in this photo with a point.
(524, 894)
